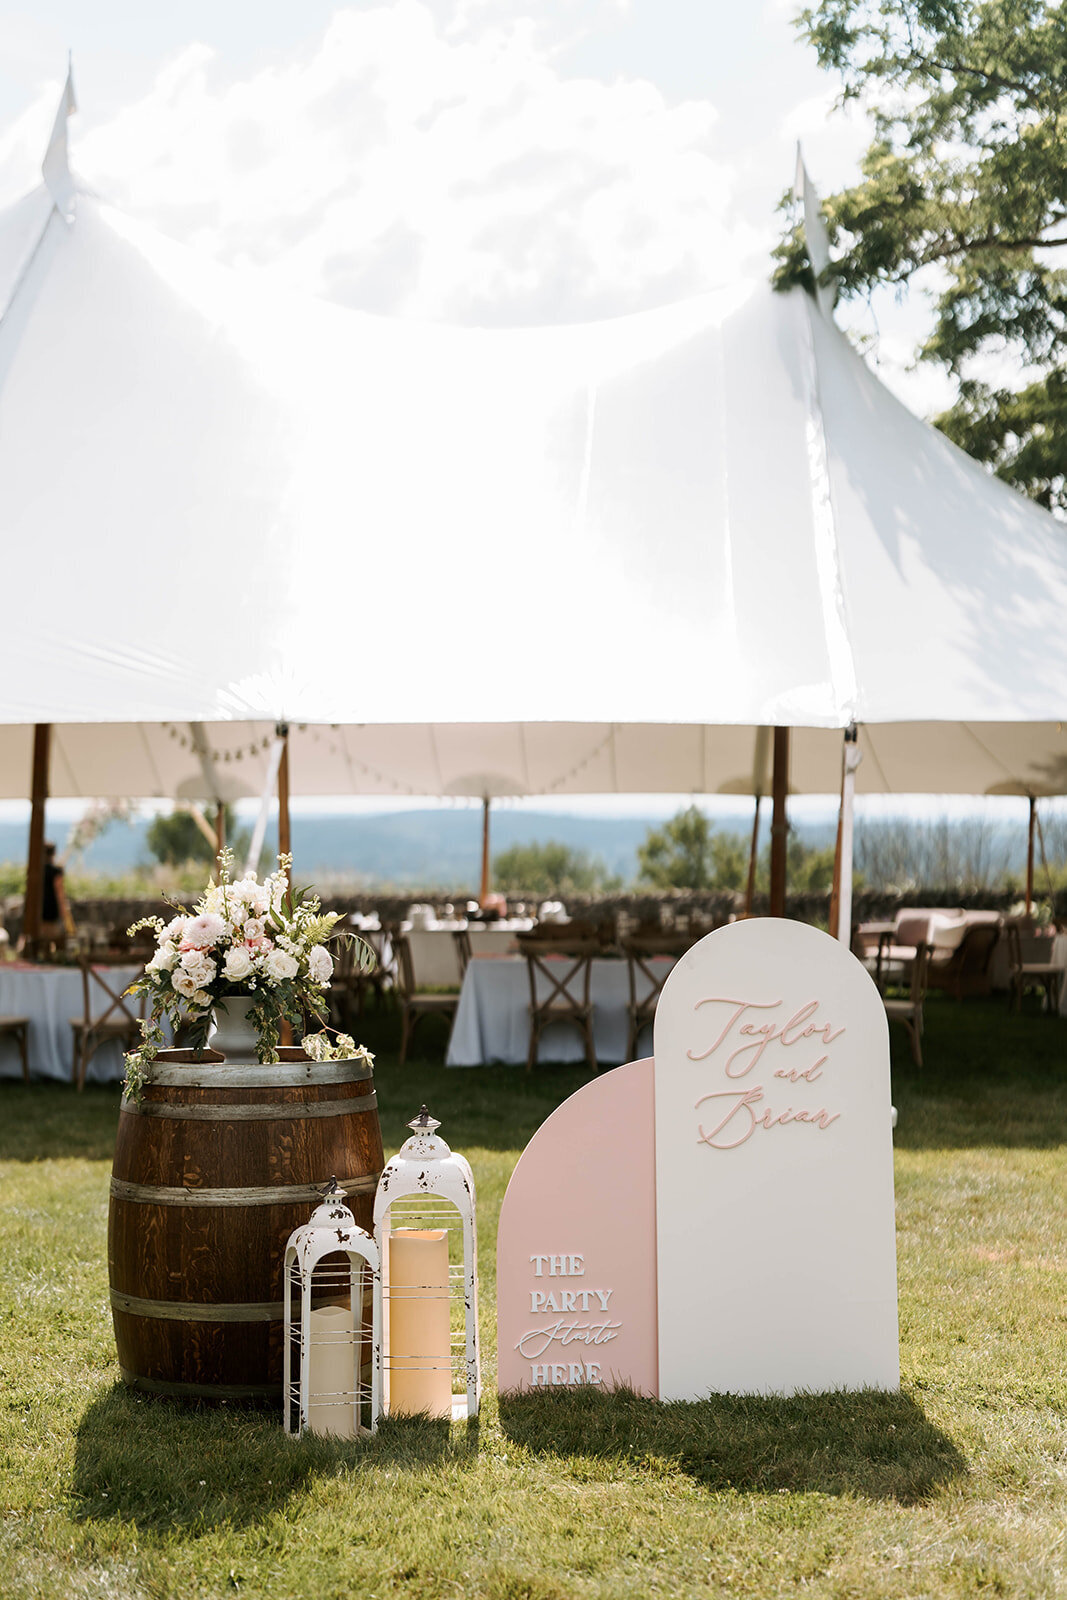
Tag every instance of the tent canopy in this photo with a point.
(462, 561)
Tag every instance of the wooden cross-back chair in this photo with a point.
(108, 1013)
(462, 940)
(560, 973)
(416, 1003)
(966, 971)
(909, 1009)
(1028, 973)
(641, 951)
(17, 1028)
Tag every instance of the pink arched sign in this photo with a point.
(576, 1249)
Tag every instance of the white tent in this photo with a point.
(456, 561)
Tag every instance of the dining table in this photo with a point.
(433, 949)
(49, 997)
(492, 1022)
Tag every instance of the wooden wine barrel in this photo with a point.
(213, 1170)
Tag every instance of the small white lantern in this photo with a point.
(424, 1222)
(333, 1347)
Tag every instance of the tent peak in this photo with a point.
(817, 237)
(55, 168)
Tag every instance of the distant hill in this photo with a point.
(431, 848)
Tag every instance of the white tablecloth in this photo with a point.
(49, 997)
(492, 1020)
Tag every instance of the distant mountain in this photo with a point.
(431, 848)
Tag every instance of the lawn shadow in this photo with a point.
(52, 1122)
(167, 1464)
(867, 1443)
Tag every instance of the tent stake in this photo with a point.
(779, 821)
(33, 905)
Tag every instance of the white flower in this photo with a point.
(199, 967)
(175, 930)
(279, 966)
(255, 896)
(184, 984)
(205, 930)
(164, 960)
(320, 964)
(201, 998)
(238, 964)
(254, 928)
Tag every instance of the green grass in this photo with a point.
(957, 1486)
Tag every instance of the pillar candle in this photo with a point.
(419, 1351)
(332, 1372)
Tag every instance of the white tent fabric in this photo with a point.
(461, 561)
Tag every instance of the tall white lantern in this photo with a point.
(332, 1322)
(424, 1221)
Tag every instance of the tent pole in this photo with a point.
(484, 895)
(259, 832)
(841, 927)
(33, 904)
(1030, 857)
(779, 821)
(284, 839)
(220, 827)
(750, 887)
(835, 886)
(285, 1035)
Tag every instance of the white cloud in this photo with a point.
(430, 169)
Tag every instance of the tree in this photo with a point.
(686, 853)
(175, 839)
(964, 186)
(550, 869)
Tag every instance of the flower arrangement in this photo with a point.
(243, 939)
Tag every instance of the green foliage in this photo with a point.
(808, 870)
(964, 188)
(550, 869)
(176, 841)
(686, 853)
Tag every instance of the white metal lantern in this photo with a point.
(424, 1222)
(333, 1319)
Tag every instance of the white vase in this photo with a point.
(233, 1033)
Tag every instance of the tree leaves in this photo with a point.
(964, 183)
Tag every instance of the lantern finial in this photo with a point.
(424, 1123)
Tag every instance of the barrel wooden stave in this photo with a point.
(229, 1257)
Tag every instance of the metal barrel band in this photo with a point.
(283, 1194)
(202, 1391)
(213, 1112)
(185, 1311)
(269, 1075)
